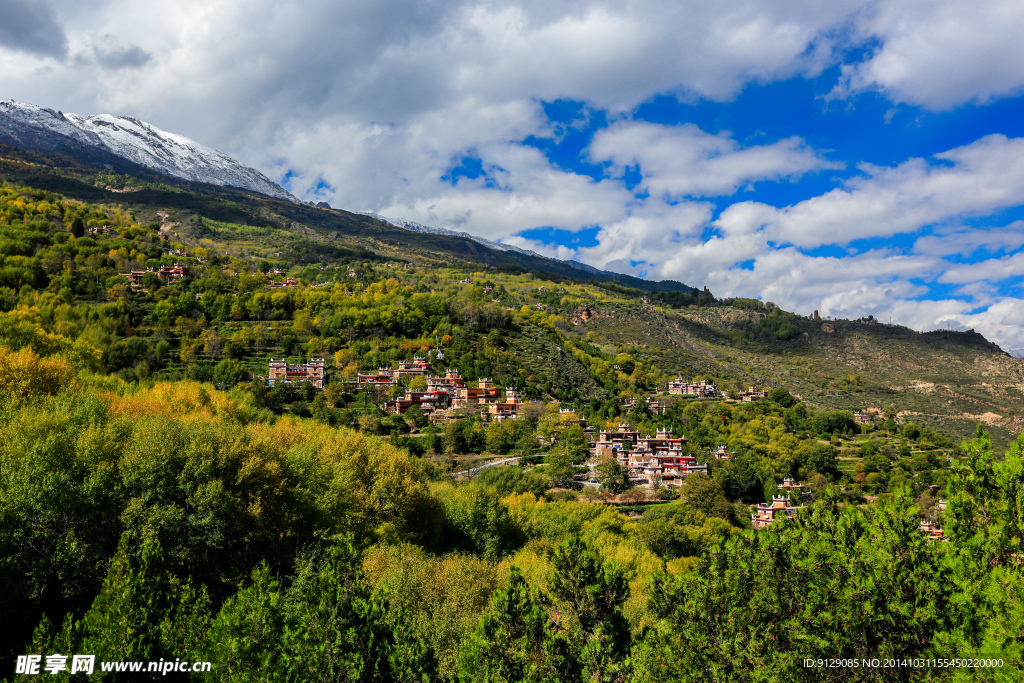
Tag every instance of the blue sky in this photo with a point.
(858, 157)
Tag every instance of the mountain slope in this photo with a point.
(942, 379)
(575, 327)
(125, 144)
(146, 193)
(412, 226)
(92, 139)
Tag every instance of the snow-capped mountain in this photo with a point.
(27, 125)
(498, 246)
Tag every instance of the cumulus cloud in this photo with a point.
(685, 161)
(981, 177)
(270, 65)
(940, 53)
(744, 258)
(558, 251)
(990, 270)
(968, 241)
(648, 234)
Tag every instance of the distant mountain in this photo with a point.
(103, 139)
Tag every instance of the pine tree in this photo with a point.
(508, 645)
(593, 593)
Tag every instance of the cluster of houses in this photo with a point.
(450, 394)
(165, 273)
(418, 366)
(722, 453)
(780, 507)
(275, 283)
(444, 393)
(105, 230)
(766, 514)
(706, 389)
(864, 418)
(750, 394)
(281, 371)
(660, 460)
(932, 530)
(701, 389)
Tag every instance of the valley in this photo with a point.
(238, 426)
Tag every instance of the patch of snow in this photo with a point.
(143, 144)
(497, 246)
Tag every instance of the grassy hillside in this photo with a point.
(948, 380)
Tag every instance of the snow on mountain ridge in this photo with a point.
(419, 227)
(412, 226)
(141, 143)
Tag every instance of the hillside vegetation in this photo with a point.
(178, 521)
(160, 500)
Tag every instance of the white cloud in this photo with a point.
(940, 53)
(683, 160)
(968, 241)
(990, 270)
(649, 233)
(558, 251)
(978, 178)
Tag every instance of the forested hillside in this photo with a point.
(179, 521)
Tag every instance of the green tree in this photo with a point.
(416, 417)
(509, 480)
(818, 457)
(911, 431)
(478, 521)
(509, 643)
(782, 397)
(841, 582)
(327, 626)
(230, 372)
(593, 593)
(78, 227)
(612, 476)
(143, 611)
(704, 494)
(574, 442)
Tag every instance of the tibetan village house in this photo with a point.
(484, 394)
(412, 368)
(767, 513)
(751, 394)
(286, 373)
(701, 389)
(651, 461)
(451, 382)
(428, 401)
(380, 378)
